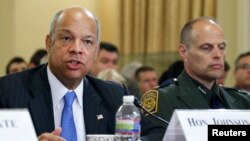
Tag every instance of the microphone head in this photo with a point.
(137, 102)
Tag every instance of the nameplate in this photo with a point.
(192, 125)
(16, 125)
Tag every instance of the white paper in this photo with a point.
(16, 125)
(192, 125)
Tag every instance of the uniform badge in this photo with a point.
(150, 101)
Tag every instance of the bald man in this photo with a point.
(202, 49)
(72, 46)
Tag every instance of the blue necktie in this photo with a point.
(67, 122)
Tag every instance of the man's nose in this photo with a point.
(218, 53)
(77, 47)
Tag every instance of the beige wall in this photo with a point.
(25, 23)
(6, 33)
(234, 16)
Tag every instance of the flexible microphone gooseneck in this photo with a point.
(138, 104)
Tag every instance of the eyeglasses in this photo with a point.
(244, 66)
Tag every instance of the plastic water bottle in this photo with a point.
(128, 119)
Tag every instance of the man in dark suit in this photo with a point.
(203, 50)
(72, 45)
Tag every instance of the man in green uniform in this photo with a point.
(202, 48)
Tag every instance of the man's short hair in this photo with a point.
(242, 55)
(142, 69)
(108, 47)
(37, 56)
(173, 71)
(14, 60)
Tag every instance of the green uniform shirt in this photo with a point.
(185, 94)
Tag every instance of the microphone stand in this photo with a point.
(138, 104)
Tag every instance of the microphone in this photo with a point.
(138, 104)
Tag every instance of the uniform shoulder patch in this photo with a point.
(150, 101)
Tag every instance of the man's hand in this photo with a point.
(53, 136)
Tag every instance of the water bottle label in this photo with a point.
(128, 126)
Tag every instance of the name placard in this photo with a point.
(16, 125)
(192, 125)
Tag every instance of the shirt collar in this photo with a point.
(58, 90)
(204, 90)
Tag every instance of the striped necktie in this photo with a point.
(67, 122)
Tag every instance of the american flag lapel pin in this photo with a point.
(99, 116)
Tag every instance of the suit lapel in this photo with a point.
(93, 113)
(41, 107)
(189, 93)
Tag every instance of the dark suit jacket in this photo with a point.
(30, 89)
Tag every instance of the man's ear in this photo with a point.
(182, 50)
(48, 42)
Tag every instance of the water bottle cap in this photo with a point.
(128, 98)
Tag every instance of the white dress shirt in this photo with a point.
(58, 90)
